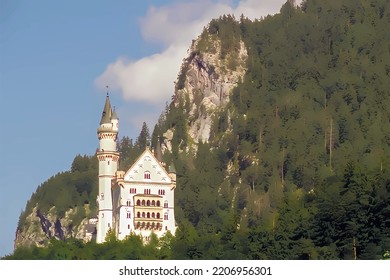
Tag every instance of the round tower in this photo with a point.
(108, 165)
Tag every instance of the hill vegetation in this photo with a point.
(298, 162)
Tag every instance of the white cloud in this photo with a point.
(151, 79)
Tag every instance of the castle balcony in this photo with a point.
(148, 224)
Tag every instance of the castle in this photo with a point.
(140, 200)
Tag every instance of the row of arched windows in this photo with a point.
(148, 215)
(148, 203)
(148, 225)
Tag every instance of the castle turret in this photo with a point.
(108, 164)
(172, 175)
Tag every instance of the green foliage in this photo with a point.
(143, 140)
(313, 100)
(130, 248)
(66, 190)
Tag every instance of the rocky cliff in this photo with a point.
(205, 84)
(39, 227)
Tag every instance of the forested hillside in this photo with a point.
(297, 163)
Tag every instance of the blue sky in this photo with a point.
(56, 57)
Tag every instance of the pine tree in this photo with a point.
(143, 140)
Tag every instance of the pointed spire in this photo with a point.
(107, 111)
(172, 168)
(158, 151)
(114, 115)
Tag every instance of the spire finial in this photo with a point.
(107, 91)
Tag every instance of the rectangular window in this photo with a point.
(166, 216)
(147, 191)
(133, 190)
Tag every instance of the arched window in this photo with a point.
(143, 202)
(166, 204)
(153, 203)
(158, 215)
(143, 214)
(128, 215)
(148, 215)
(148, 203)
(128, 203)
(138, 202)
(146, 175)
(158, 203)
(153, 225)
(143, 224)
(138, 215)
(138, 224)
(148, 225)
(153, 215)
(166, 216)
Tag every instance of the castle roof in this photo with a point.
(107, 112)
(114, 115)
(158, 152)
(147, 158)
(171, 168)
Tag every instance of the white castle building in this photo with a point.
(140, 200)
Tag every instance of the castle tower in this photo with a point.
(108, 164)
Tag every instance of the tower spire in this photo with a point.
(107, 111)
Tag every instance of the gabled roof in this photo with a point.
(147, 162)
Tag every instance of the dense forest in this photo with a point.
(298, 162)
